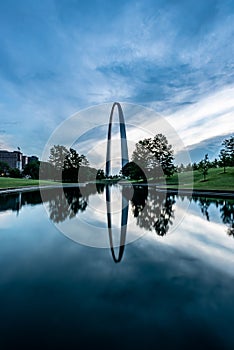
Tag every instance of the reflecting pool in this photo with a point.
(163, 278)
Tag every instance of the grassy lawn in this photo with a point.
(216, 180)
(7, 182)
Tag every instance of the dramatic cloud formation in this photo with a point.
(57, 57)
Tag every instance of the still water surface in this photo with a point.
(171, 288)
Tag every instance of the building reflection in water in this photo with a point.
(152, 210)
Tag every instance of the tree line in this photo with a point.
(225, 159)
(153, 158)
(71, 166)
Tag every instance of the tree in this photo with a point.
(74, 160)
(72, 163)
(133, 171)
(47, 171)
(57, 157)
(66, 163)
(32, 169)
(229, 150)
(204, 165)
(223, 156)
(189, 167)
(215, 163)
(100, 174)
(154, 156)
(181, 168)
(15, 173)
(4, 168)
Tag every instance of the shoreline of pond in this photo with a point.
(179, 191)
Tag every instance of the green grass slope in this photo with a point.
(7, 182)
(215, 180)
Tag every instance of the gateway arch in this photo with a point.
(122, 130)
(124, 161)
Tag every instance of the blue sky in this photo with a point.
(60, 56)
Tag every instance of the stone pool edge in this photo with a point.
(209, 193)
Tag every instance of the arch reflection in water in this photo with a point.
(124, 200)
(124, 222)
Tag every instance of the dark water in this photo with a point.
(171, 288)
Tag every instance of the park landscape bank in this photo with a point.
(217, 184)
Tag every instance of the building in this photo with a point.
(24, 161)
(13, 159)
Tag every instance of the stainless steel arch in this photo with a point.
(124, 146)
(124, 160)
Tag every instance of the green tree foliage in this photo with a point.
(227, 153)
(74, 160)
(133, 171)
(204, 166)
(189, 167)
(100, 174)
(154, 156)
(47, 171)
(57, 157)
(66, 163)
(4, 168)
(86, 173)
(32, 169)
(15, 173)
(181, 168)
(223, 156)
(215, 163)
(72, 163)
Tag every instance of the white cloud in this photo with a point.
(206, 241)
(213, 115)
(142, 43)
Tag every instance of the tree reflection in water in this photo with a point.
(204, 204)
(227, 215)
(67, 202)
(66, 205)
(153, 210)
(226, 208)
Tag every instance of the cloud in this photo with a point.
(211, 245)
(210, 117)
(209, 146)
(159, 54)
